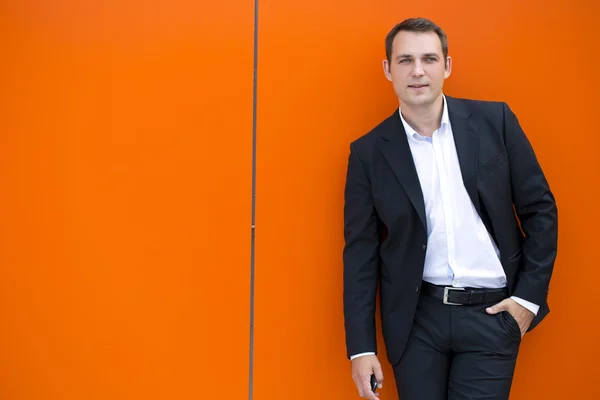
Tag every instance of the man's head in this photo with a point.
(417, 61)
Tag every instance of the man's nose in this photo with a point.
(418, 69)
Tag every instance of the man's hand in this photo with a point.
(362, 368)
(522, 315)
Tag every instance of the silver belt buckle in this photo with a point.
(445, 299)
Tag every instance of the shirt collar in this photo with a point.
(411, 133)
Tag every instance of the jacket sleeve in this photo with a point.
(360, 259)
(536, 209)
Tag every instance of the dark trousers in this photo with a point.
(458, 353)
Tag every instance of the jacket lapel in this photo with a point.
(466, 139)
(397, 153)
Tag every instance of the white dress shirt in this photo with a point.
(460, 251)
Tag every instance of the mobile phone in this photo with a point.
(373, 383)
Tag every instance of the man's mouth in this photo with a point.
(416, 86)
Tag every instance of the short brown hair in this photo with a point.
(415, 25)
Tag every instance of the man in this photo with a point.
(447, 208)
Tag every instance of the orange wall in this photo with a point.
(125, 206)
(126, 177)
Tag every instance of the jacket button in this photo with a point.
(424, 247)
(417, 288)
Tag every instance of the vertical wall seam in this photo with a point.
(253, 223)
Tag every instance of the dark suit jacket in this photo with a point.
(385, 228)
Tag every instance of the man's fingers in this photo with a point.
(378, 375)
(502, 306)
(359, 386)
(365, 385)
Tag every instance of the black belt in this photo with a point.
(463, 296)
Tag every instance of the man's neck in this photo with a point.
(426, 119)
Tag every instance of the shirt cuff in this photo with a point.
(534, 308)
(369, 353)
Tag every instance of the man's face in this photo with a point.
(416, 68)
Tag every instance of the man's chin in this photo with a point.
(417, 101)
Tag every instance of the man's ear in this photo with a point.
(448, 67)
(386, 70)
